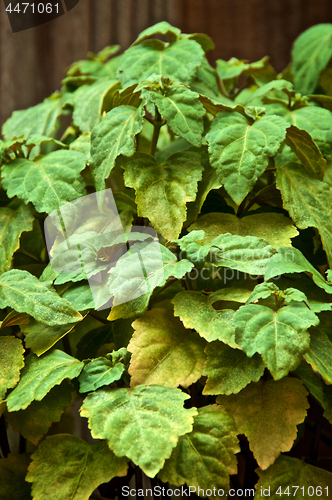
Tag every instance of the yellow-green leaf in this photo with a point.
(164, 352)
(205, 457)
(66, 467)
(11, 362)
(162, 190)
(143, 423)
(268, 413)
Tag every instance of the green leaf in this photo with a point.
(162, 190)
(164, 352)
(40, 375)
(162, 28)
(230, 370)
(80, 296)
(244, 253)
(82, 144)
(280, 336)
(240, 151)
(319, 355)
(268, 413)
(78, 468)
(177, 60)
(36, 419)
(196, 311)
(25, 293)
(99, 372)
(48, 182)
(182, 110)
(134, 307)
(114, 135)
(204, 457)
(37, 120)
(12, 224)
(143, 423)
(289, 472)
(261, 71)
(207, 74)
(209, 181)
(11, 362)
(275, 228)
(291, 260)
(315, 120)
(138, 272)
(316, 386)
(13, 470)
(311, 52)
(40, 338)
(306, 150)
(308, 201)
(88, 103)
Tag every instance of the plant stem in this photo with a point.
(4, 445)
(157, 126)
(98, 318)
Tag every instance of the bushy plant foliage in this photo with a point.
(224, 367)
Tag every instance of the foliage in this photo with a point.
(199, 357)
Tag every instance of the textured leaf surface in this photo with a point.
(177, 60)
(40, 338)
(80, 296)
(312, 51)
(99, 372)
(204, 457)
(272, 227)
(25, 293)
(12, 224)
(291, 260)
(182, 110)
(240, 152)
(36, 419)
(88, 102)
(162, 28)
(307, 151)
(288, 471)
(13, 470)
(196, 311)
(162, 190)
(114, 135)
(319, 355)
(147, 266)
(281, 336)
(37, 120)
(244, 253)
(78, 468)
(308, 201)
(143, 423)
(40, 375)
(164, 352)
(48, 182)
(315, 120)
(268, 413)
(11, 362)
(230, 370)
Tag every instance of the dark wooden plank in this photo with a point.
(18, 68)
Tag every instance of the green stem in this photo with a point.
(157, 126)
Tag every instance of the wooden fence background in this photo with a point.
(32, 62)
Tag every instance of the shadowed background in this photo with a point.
(32, 62)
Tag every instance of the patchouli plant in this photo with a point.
(183, 326)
